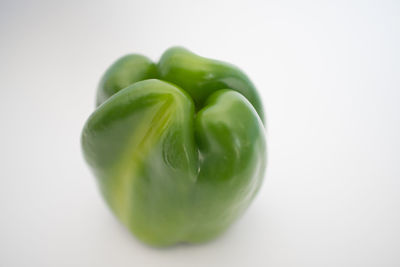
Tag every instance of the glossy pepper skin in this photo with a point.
(178, 147)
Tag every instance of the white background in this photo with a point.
(329, 75)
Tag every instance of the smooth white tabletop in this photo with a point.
(329, 76)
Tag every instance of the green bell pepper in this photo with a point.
(178, 147)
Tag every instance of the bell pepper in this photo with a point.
(178, 147)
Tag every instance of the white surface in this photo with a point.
(329, 74)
